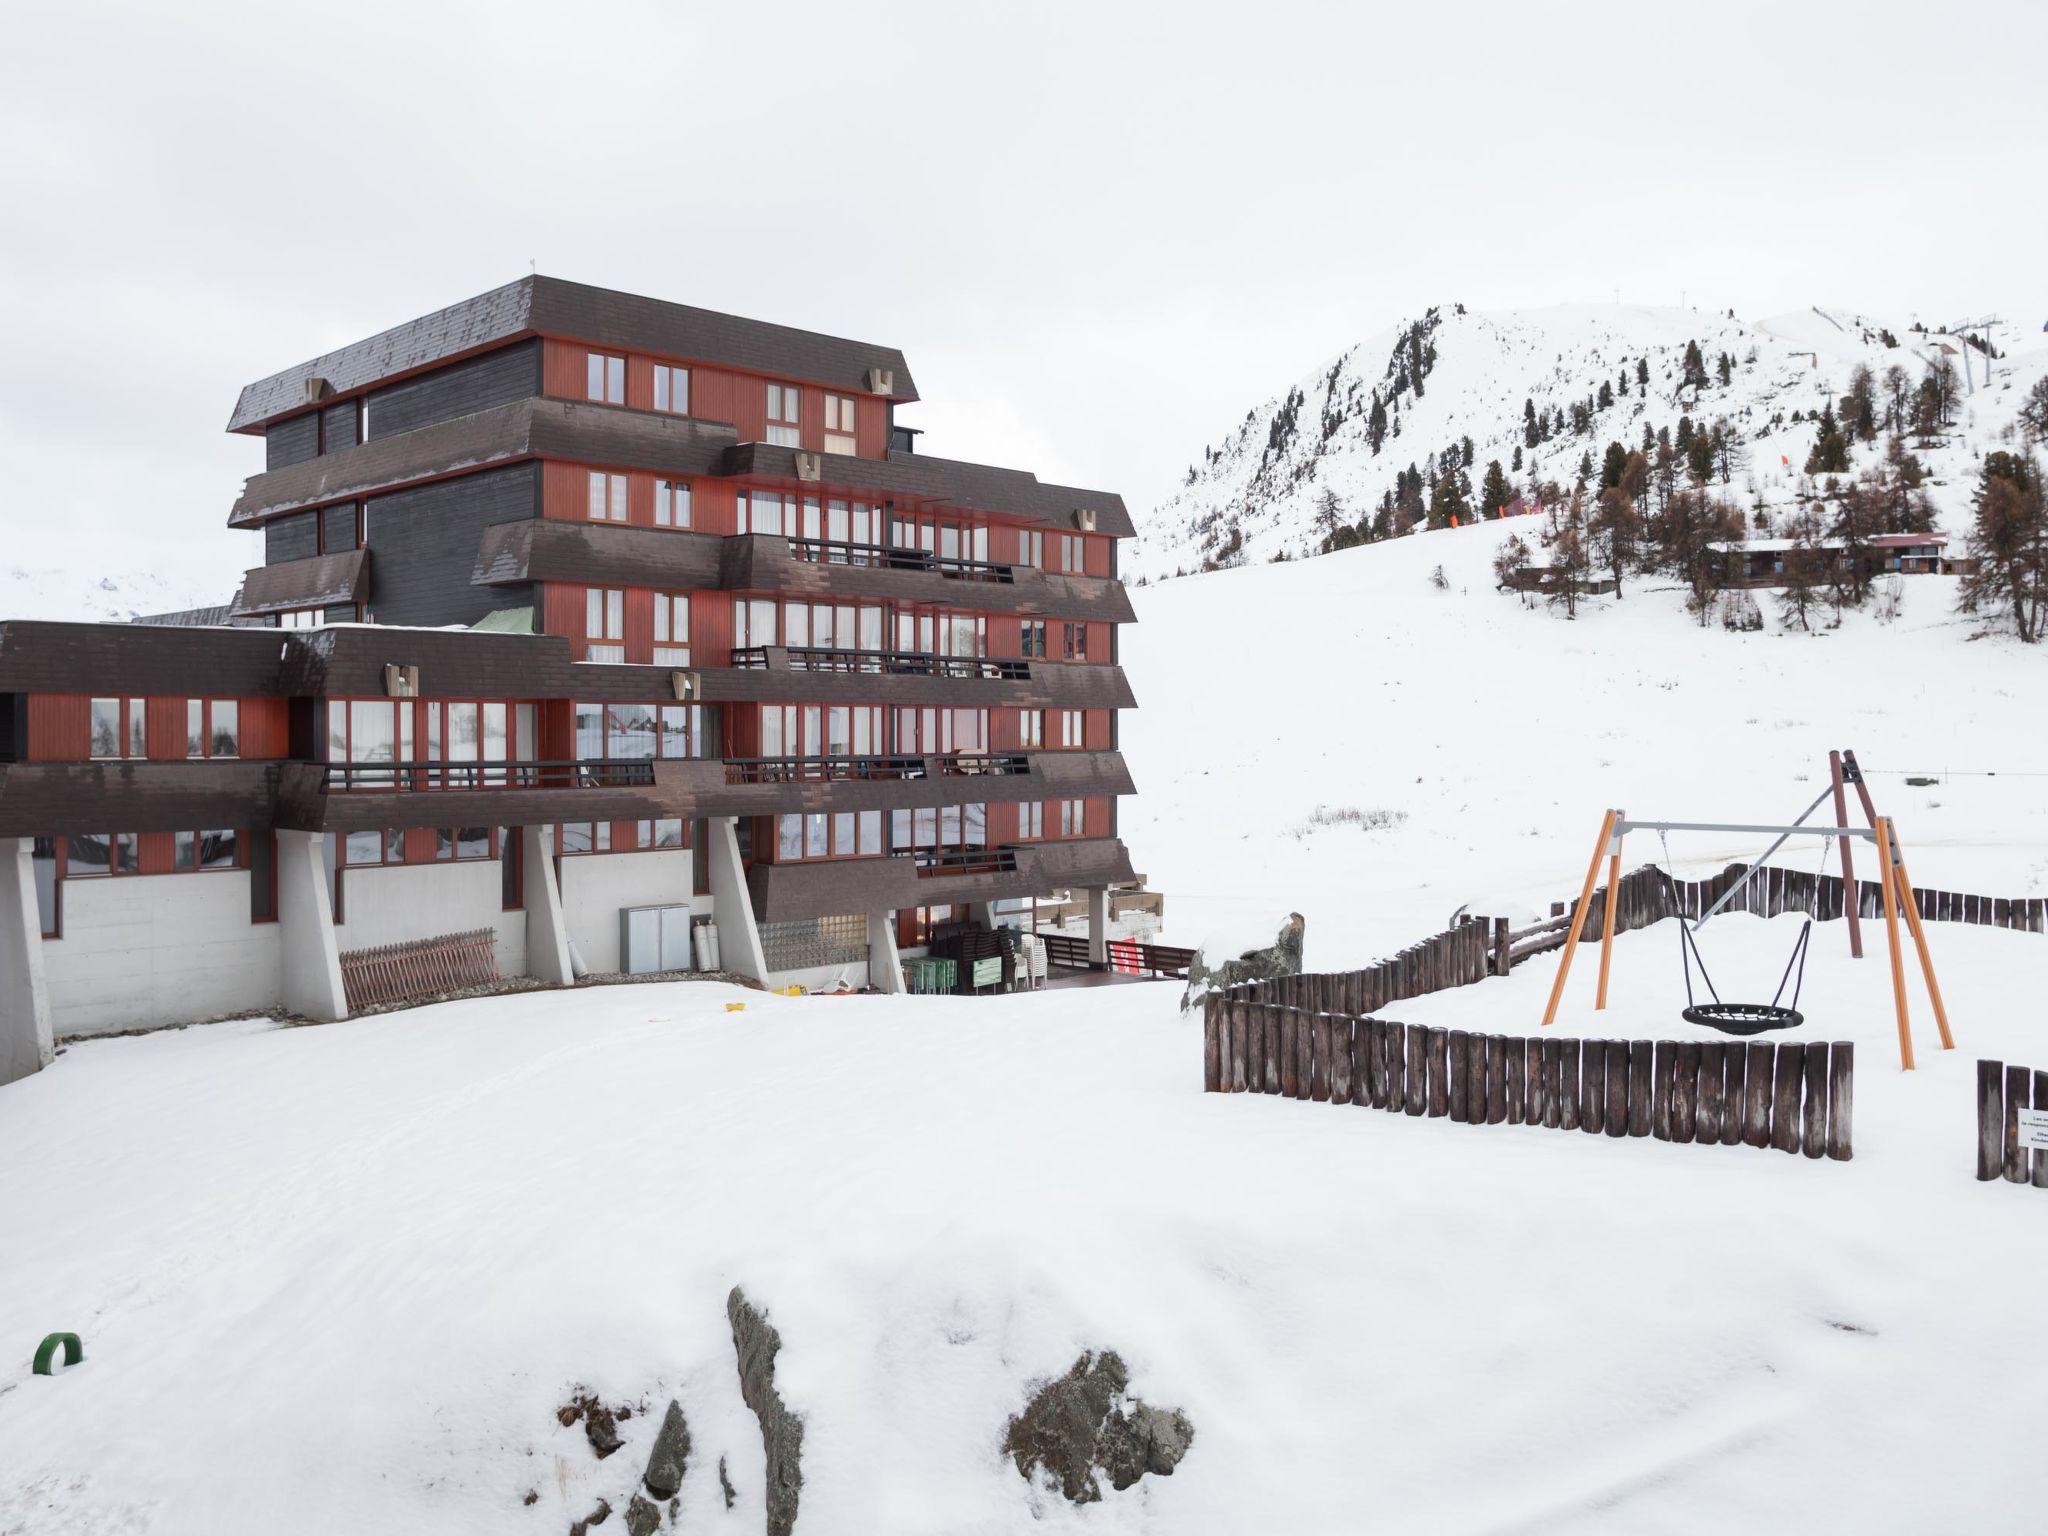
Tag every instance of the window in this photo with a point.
(672, 389)
(1031, 819)
(818, 835)
(636, 731)
(783, 401)
(607, 497)
(1072, 722)
(224, 728)
(667, 833)
(934, 732)
(1070, 548)
(1030, 728)
(586, 837)
(302, 618)
(206, 850)
(386, 846)
(1031, 548)
(839, 424)
(604, 619)
(947, 826)
(43, 856)
(605, 379)
(91, 854)
(762, 512)
(1032, 638)
(1074, 642)
(671, 629)
(672, 504)
(119, 728)
(462, 842)
(1073, 820)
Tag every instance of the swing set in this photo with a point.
(1740, 1018)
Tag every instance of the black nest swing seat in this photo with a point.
(1743, 1018)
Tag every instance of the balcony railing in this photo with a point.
(983, 762)
(963, 861)
(789, 770)
(391, 778)
(824, 658)
(892, 557)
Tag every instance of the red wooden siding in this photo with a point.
(1095, 817)
(266, 728)
(59, 727)
(711, 628)
(166, 730)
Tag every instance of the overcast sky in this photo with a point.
(1099, 232)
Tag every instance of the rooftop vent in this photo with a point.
(687, 685)
(1084, 519)
(401, 682)
(317, 389)
(882, 381)
(810, 466)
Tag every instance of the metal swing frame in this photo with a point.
(1894, 885)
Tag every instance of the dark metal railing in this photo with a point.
(784, 770)
(963, 861)
(893, 557)
(983, 762)
(825, 658)
(388, 778)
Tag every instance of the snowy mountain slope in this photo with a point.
(1304, 459)
(1493, 734)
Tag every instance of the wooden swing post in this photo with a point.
(1888, 890)
(1849, 902)
(1607, 910)
(1912, 905)
(1571, 943)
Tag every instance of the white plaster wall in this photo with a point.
(145, 950)
(822, 978)
(596, 887)
(391, 903)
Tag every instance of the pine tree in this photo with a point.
(1830, 454)
(1617, 531)
(2034, 410)
(1642, 373)
(1699, 458)
(1727, 369)
(1376, 423)
(1531, 433)
(2009, 542)
(1570, 557)
(1695, 366)
(1804, 573)
(1517, 465)
(1610, 466)
(1449, 500)
(1585, 467)
(1495, 493)
(1606, 395)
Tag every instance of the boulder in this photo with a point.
(1086, 1423)
(756, 1342)
(1242, 953)
(601, 1428)
(670, 1457)
(642, 1518)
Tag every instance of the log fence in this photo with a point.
(418, 968)
(1796, 1097)
(2003, 1091)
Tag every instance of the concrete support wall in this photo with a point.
(309, 958)
(732, 905)
(139, 951)
(393, 903)
(885, 967)
(547, 932)
(596, 887)
(25, 1040)
(1098, 927)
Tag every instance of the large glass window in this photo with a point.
(605, 378)
(768, 512)
(118, 728)
(671, 629)
(636, 731)
(672, 389)
(88, 854)
(672, 504)
(839, 424)
(840, 835)
(607, 497)
(783, 415)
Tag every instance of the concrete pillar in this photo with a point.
(308, 951)
(25, 1044)
(1098, 928)
(547, 931)
(983, 913)
(885, 965)
(732, 905)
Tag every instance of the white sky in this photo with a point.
(1100, 233)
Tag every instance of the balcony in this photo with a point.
(892, 557)
(387, 778)
(838, 767)
(937, 863)
(348, 797)
(928, 877)
(816, 658)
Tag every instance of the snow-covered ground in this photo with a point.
(338, 1279)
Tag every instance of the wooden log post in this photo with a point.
(1460, 1046)
(1503, 951)
(1317, 1079)
(1212, 1044)
(1475, 1079)
(1593, 1088)
(1496, 1054)
(1665, 1069)
(1791, 1066)
(1397, 1068)
(1713, 1071)
(1375, 1062)
(1532, 1082)
(1640, 1058)
(1338, 1031)
(1235, 1020)
(1514, 1058)
(1841, 1099)
(1685, 1090)
(2019, 1095)
(1438, 1102)
(1813, 1139)
(1568, 1083)
(1734, 1097)
(1274, 1014)
(1552, 1082)
(1618, 1069)
(1290, 1066)
(1418, 1069)
(1990, 1119)
(1756, 1109)
(2040, 1154)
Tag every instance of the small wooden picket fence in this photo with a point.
(2002, 1092)
(1794, 1096)
(398, 973)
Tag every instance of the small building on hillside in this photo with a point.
(1762, 562)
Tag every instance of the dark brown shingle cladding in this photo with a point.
(550, 306)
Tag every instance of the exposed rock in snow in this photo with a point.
(1236, 955)
(782, 1433)
(1084, 1423)
(670, 1458)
